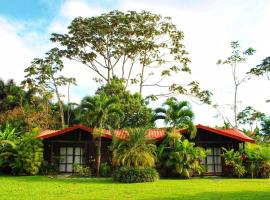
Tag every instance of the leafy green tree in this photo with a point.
(179, 157)
(250, 116)
(44, 74)
(135, 150)
(265, 128)
(234, 60)
(262, 69)
(176, 114)
(95, 111)
(11, 96)
(134, 107)
(139, 47)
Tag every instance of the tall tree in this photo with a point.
(250, 116)
(95, 111)
(45, 73)
(262, 69)
(234, 60)
(176, 114)
(140, 47)
(265, 128)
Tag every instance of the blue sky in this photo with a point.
(29, 9)
(209, 27)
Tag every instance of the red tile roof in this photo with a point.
(231, 133)
(51, 133)
(155, 134)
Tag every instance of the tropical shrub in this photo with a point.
(257, 160)
(82, 171)
(134, 157)
(29, 154)
(233, 163)
(105, 169)
(20, 154)
(179, 158)
(135, 174)
(134, 151)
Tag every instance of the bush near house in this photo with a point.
(20, 153)
(233, 163)
(135, 174)
(134, 157)
(257, 160)
(179, 158)
(254, 161)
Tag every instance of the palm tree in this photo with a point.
(135, 150)
(176, 114)
(94, 113)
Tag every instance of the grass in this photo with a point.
(42, 187)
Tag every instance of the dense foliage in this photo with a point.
(233, 163)
(179, 157)
(135, 174)
(20, 153)
(257, 160)
(134, 107)
(135, 150)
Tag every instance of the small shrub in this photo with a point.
(82, 171)
(233, 162)
(135, 175)
(105, 170)
(265, 169)
(48, 169)
(239, 170)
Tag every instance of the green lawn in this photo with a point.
(39, 187)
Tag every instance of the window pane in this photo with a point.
(70, 150)
(69, 159)
(69, 167)
(63, 159)
(218, 168)
(217, 160)
(63, 151)
(62, 167)
(77, 159)
(210, 168)
(216, 151)
(77, 151)
(209, 160)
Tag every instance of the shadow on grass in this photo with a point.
(243, 195)
(63, 180)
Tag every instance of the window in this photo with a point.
(213, 160)
(70, 156)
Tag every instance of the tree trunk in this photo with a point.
(141, 81)
(235, 107)
(68, 111)
(98, 159)
(59, 104)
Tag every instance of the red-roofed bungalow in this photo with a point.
(72, 145)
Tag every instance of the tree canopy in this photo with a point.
(141, 48)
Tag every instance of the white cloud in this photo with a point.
(209, 26)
